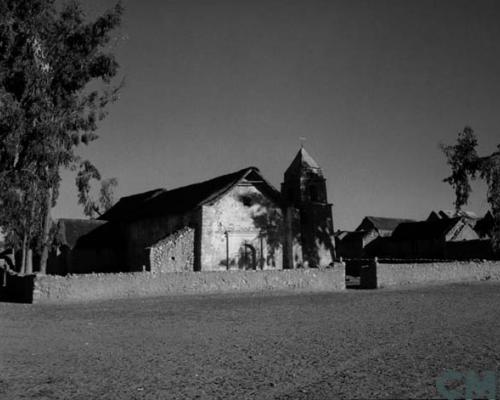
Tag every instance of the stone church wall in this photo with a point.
(175, 253)
(242, 230)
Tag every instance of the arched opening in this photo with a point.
(248, 257)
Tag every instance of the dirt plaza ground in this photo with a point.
(390, 343)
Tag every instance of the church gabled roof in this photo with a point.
(186, 198)
(303, 162)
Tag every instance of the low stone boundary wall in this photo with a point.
(73, 288)
(379, 275)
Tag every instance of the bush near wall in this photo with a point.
(379, 275)
(72, 288)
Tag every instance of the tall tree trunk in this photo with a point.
(46, 233)
(24, 253)
(27, 242)
(28, 270)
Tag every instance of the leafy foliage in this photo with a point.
(86, 173)
(463, 160)
(48, 57)
(465, 166)
(490, 172)
(91, 207)
(107, 194)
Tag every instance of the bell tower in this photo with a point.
(308, 213)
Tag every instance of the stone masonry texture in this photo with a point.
(243, 217)
(74, 288)
(175, 253)
(385, 275)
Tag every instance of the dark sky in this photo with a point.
(213, 86)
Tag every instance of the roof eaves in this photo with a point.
(218, 194)
(244, 173)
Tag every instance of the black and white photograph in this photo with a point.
(249, 199)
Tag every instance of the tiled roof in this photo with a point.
(183, 199)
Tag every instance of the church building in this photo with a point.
(234, 221)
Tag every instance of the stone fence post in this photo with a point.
(368, 275)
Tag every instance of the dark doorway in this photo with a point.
(248, 257)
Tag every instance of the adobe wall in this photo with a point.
(84, 260)
(385, 275)
(144, 233)
(175, 253)
(242, 215)
(412, 249)
(480, 249)
(74, 288)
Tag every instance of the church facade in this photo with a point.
(235, 221)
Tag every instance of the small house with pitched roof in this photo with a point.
(444, 230)
(430, 239)
(383, 226)
(371, 230)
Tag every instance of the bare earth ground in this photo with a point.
(358, 344)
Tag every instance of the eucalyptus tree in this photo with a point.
(466, 165)
(56, 72)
